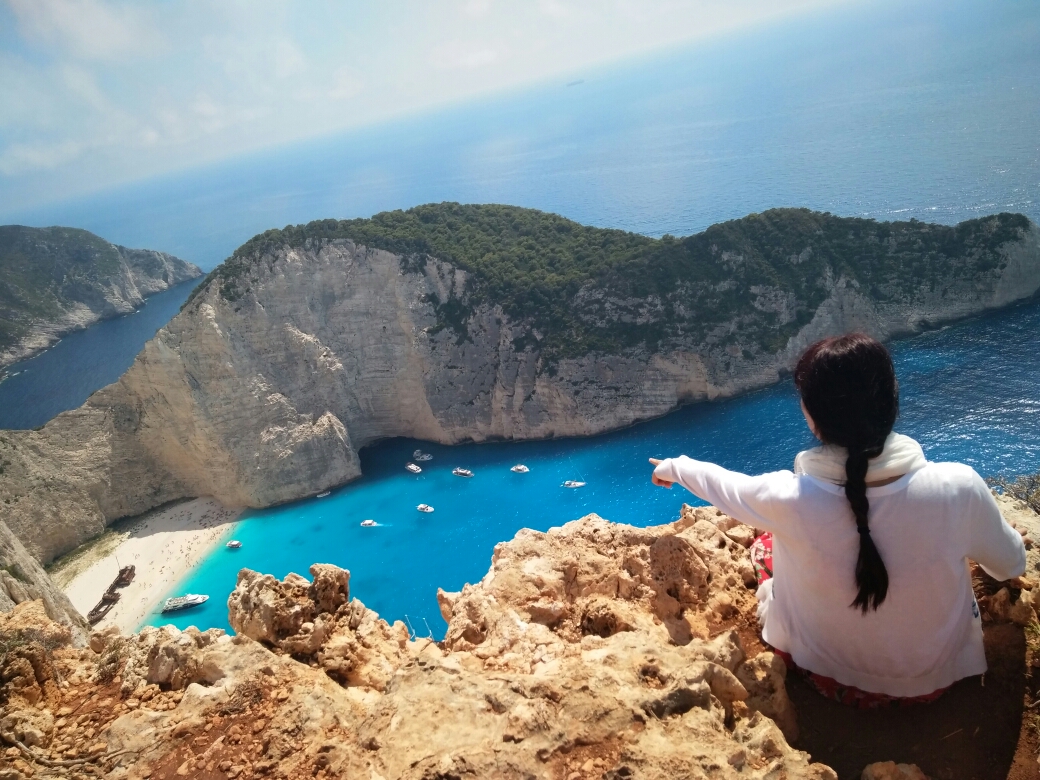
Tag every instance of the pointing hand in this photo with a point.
(655, 479)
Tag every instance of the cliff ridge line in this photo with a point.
(293, 357)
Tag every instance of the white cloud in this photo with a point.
(459, 55)
(88, 28)
(150, 86)
(23, 158)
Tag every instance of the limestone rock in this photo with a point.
(168, 657)
(595, 649)
(266, 395)
(23, 580)
(318, 620)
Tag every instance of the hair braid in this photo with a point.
(871, 574)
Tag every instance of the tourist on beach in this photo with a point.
(863, 569)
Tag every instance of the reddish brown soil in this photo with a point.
(976, 730)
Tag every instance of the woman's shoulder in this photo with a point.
(950, 474)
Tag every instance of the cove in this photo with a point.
(969, 392)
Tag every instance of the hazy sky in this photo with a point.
(94, 93)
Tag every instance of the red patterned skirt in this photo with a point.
(762, 560)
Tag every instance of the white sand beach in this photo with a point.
(163, 545)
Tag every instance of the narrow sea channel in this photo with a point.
(970, 393)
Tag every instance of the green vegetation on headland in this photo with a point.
(42, 268)
(44, 272)
(750, 283)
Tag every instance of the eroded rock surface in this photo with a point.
(22, 579)
(595, 650)
(592, 651)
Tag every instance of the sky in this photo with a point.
(99, 93)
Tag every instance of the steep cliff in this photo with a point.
(306, 346)
(56, 280)
(22, 579)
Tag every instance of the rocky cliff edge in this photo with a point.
(594, 650)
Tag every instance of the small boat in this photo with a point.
(519, 468)
(461, 472)
(424, 508)
(368, 523)
(573, 483)
(234, 544)
(125, 577)
(413, 468)
(322, 495)
(421, 456)
(184, 602)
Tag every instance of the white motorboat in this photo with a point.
(421, 456)
(322, 495)
(573, 483)
(183, 602)
(461, 472)
(519, 468)
(368, 523)
(413, 468)
(234, 544)
(424, 508)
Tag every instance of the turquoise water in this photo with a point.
(970, 392)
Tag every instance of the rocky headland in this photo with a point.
(57, 280)
(457, 323)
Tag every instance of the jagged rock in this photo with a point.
(168, 657)
(763, 677)
(28, 637)
(101, 639)
(318, 620)
(631, 669)
(22, 580)
(593, 577)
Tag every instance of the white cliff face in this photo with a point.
(269, 397)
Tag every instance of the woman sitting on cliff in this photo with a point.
(871, 597)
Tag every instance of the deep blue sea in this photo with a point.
(887, 110)
(35, 390)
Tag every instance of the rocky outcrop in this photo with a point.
(23, 580)
(57, 280)
(595, 650)
(266, 393)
